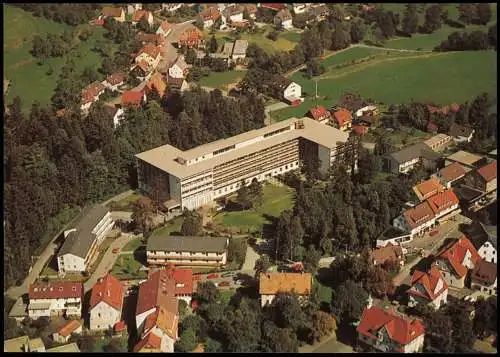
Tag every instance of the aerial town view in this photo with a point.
(237, 177)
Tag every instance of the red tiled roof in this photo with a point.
(156, 291)
(139, 14)
(112, 11)
(388, 252)
(183, 280)
(452, 172)
(69, 328)
(488, 172)
(360, 130)
(455, 253)
(419, 214)
(151, 50)
(109, 290)
(99, 22)
(120, 326)
(131, 98)
(428, 188)
(115, 78)
(191, 36)
(144, 66)
(442, 201)
(157, 83)
(251, 8)
(399, 328)
(343, 116)
(284, 15)
(93, 90)
(319, 113)
(59, 290)
(429, 281)
(273, 6)
(210, 13)
(151, 341)
(149, 37)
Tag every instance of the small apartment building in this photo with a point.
(468, 160)
(63, 335)
(444, 205)
(191, 38)
(428, 288)
(287, 90)
(81, 243)
(451, 175)
(406, 159)
(428, 188)
(484, 277)
(386, 330)
(209, 16)
(455, 260)
(55, 299)
(113, 81)
(106, 303)
(439, 142)
(416, 220)
(90, 95)
(484, 178)
(232, 13)
(270, 284)
(187, 251)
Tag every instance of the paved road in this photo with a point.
(251, 257)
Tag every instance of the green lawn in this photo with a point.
(133, 244)
(172, 226)
(275, 200)
(125, 204)
(21, 68)
(291, 36)
(127, 267)
(440, 78)
(221, 79)
(349, 55)
(325, 292)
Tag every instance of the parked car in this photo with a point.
(212, 276)
(223, 283)
(116, 250)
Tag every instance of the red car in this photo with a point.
(196, 277)
(223, 283)
(213, 276)
(116, 250)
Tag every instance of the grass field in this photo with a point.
(127, 266)
(220, 80)
(441, 78)
(134, 244)
(21, 68)
(172, 226)
(275, 200)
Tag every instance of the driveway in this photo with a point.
(250, 259)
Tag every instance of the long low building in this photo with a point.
(192, 178)
(187, 251)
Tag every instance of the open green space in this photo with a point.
(275, 200)
(291, 36)
(126, 266)
(134, 244)
(348, 55)
(325, 292)
(21, 68)
(172, 226)
(221, 80)
(452, 77)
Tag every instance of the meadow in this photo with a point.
(221, 80)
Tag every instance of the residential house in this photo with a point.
(360, 130)
(157, 315)
(455, 260)
(240, 49)
(484, 239)
(116, 114)
(91, 95)
(177, 84)
(270, 284)
(153, 38)
(460, 133)
(187, 251)
(319, 13)
(320, 114)
(63, 334)
(428, 188)
(287, 90)
(252, 10)
(131, 8)
(55, 299)
(150, 54)
(444, 205)
(81, 242)
(451, 175)
(23, 344)
(232, 14)
(484, 277)
(132, 99)
(370, 110)
(468, 160)
(390, 252)
(439, 142)
(164, 29)
(156, 84)
(106, 303)
(192, 38)
(406, 159)
(69, 348)
(179, 68)
(209, 16)
(183, 278)
(367, 120)
(385, 330)
(116, 13)
(113, 81)
(284, 19)
(140, 14)
(141, 71)
(484, 178)
(428, 288)
(342, 119)
(416, 220)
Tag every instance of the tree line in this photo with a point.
(71, 14)
(52, 164)
(473, 41)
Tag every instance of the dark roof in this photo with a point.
(485, 272)
(187, 244)
(281, 82)
(409, 153)
(429, 154)
(79, 242)
(479, 234)
(175, 83)
(457, 130)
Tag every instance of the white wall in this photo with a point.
(488, 252)
(71, 263)
(175, 71)
(293, 90)
(139, 319)
(103, 316)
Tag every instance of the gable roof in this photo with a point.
(485, 272)
(273, 6)
(284, 15)
(131, 98)
(181, 63)
(140, 14)
(281, 82)
(210, 13)
(150, 341)
(168, 320)
(442, 201)
(109, 290)
(479, 234)
(149, 37)
(191, 35)
(409, 153)
(115, 78)
(78, 242)
(457, 130)
(429, 280)
(488, 172)
(428, 188)
(319, 112)
(418, 215)
(342, 116)
(187, 244)
(455, 251)
(399, 327)
(69, 328)
(165, 26)
(57, 290)
(183, 280)
(452, 172)
(272, 283)
(158, 290)
(465, 158)
(150, 49)
(388, 252)
(233, 10)
(112, 11)
(157, 83)
(175, 83)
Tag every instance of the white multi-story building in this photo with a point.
(106, 303)
(55, 299)
(192, 178)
